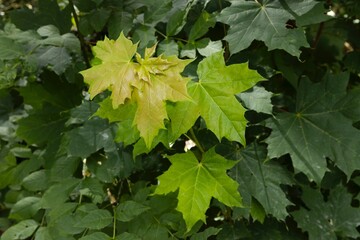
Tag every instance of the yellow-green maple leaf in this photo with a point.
(149, 82)
(198, 182)
(116, 71)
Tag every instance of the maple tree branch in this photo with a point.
(80, 36)
(318, 35)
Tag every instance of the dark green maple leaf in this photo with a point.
(266, 21)
(318, 130)
(261, 179)
(331, 219)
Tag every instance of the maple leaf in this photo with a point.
(198, 182)
(261, 179)
(215, 95)
(147, 83)
(331, 219)
(265, 21)
(116, 71)
(162, 81)
(318, 130)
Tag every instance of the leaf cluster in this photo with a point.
(173, 119)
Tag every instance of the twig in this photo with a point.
(318, 34)
(80, 36)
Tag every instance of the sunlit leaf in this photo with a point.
(198, 182)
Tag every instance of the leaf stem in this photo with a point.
(318, 34)
(80, 36)
(196, 141)
(114, 224)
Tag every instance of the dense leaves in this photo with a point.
(265, 21)
(179, 119)
(317, 131)
(148, 83)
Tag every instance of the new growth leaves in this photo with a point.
(148, 83)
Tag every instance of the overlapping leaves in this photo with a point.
(215, 92)
(318, 130)
(149, 82)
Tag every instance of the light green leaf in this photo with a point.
(215, 96)
(127, 133)
(25, 208)
(198, 182)
(96, 219)
(116, 68)
(317, 130)
(261, 20)
(257, 99)
(257, 211)
(129, 210)
(22, 230)
(331, 219)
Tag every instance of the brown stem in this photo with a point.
(80, 36)
(318, 34)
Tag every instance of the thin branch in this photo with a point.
(80, 36)
(318, 35)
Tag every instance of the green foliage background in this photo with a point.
(75, 168)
